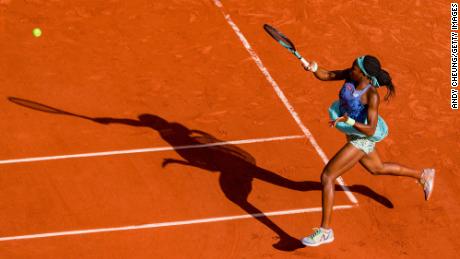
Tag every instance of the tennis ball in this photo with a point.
(37, 32)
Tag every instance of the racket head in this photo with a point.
(281, 38)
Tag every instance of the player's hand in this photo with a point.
(333, 123)
(313, 66)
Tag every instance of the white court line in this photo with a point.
(144, 150)
(168, 224)
(281, 95)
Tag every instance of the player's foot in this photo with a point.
(321, 236)
(427, 181)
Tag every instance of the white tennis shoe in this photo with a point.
(321, 236)
(427, 181)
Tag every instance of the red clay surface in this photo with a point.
(181, 61)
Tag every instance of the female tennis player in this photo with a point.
(357, 116)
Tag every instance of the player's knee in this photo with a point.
(326, 178)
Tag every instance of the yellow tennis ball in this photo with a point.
(37, 32)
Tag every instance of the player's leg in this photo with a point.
(342, 161)
(345, 158)
(375, 166)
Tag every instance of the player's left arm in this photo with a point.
(372, 115)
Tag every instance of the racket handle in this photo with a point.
(304, 62)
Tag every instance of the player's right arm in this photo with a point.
(326, 75)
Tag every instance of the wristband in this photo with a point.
(313, 67)
(350, 121)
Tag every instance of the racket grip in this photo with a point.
(304, 62)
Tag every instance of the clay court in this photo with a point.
(185, 131)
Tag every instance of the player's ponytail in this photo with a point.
(385, 79)
(373, 67)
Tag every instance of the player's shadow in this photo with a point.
(237, 168)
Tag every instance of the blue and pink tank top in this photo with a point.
(350, 102)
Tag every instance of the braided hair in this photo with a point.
(373, 67)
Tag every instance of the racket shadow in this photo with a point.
(43, 108)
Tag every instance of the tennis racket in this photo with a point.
(285, 42)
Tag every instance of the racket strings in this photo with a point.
(278, 36)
